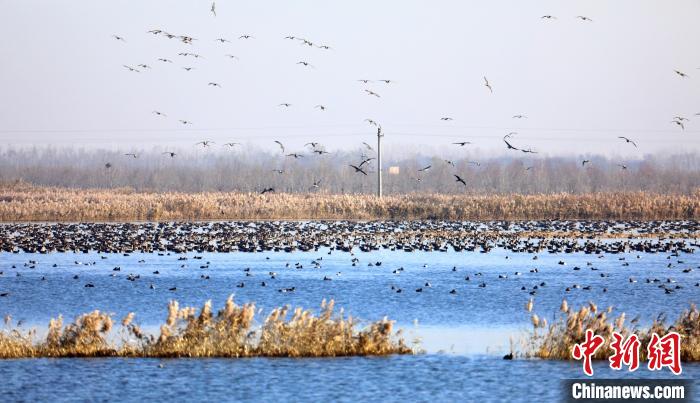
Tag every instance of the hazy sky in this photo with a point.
(580, 83)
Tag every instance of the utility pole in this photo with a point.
(379, 161)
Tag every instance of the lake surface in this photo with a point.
(464, 334)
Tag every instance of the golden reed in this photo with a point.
(556, 341)
(229, 333)
(21, 202)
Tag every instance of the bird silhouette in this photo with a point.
(366, 161)
(369, 147)
(281, 145)
(679, 123)
(119, 38)
(132, 155)
(519, 117)
(321, 107)
(231, 145)
(462, 143)
(510, 146)
(584, 162)
(446, 119)
(267, 190)
(680, 73)
(628, 140)
(160, 114)
(213, 8)
(372, 93)
(487, 84)
(358, 169)
(425, 168)
(460, 180)
(584, 18)
(133, 70)
(205, 143)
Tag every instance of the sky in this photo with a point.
(581, 84)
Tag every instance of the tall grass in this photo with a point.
(20, 202)
(231, 333)
(556, 341)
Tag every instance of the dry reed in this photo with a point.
(556, 341)
(229, 333)
(20, 202)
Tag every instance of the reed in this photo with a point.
(556, 341)
(230, 333)
(21, 202)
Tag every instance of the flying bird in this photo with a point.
(312, 144)
(529, 151)
(549, 17)
(474, 163)
(165, 60)
(233, 57)
(369, 147)
(425, 168)
(628, 140)
(446, 119)
(450, 163)
(510, 146)
(387, 81)
(321, 107)
(160, 114)
(366, 161)
(185, 122)
(119, 38)
(144, 66)
(131, 69)
(306, 64)
(369, 92)
(487, 84)
(286, 105)
(462, 143)
(519, 117)
(278, 171)
(281, 145)
(170, 153)
(680, 73)
(316, 184)
(460, 180)
(584, 18)
(245, 37)
(358, 170)
(295, 155)
(231, 145)
(133, 155)
(681, 118)
(679, 123)
(584, 162)
(623, 166)
(267, 190)
(215, 85)
(372, 122)
(222, 40)
(213, 8)
(365, 81)
(205, 143)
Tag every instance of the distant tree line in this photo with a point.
(252, 171)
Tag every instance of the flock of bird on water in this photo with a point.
(316, 148)
(190, 240)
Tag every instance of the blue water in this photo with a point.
(460, 324)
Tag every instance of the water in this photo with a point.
(464, 334)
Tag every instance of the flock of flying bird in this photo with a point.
(315, 147)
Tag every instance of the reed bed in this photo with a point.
(21, 202)
(230, 333)
(556, 340)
